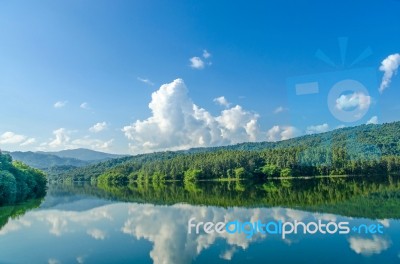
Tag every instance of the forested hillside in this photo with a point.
(19, 182)
(362, 150)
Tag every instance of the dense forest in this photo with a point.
(362, 150)
(19, 182)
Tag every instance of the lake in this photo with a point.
(142, 223)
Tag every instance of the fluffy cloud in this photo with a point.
(98, 127)
(317, 129)
(11, 138)
(199, 63)
(60, 104)
(373, 120)
(389, 67)
(355, 100)
(87, 142)
(145, 81)
(277, 133)
(369, 247)
(178, 123)
(222, 101)
(196, 63)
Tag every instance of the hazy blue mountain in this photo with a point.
(83, 154)
(44, 160)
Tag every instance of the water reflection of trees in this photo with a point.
(372, 197)
(16, 211)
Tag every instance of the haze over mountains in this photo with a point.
(69, 158)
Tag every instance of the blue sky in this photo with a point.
(83, 73)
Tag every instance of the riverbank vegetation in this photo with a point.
(19, 182)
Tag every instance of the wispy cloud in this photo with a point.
(280, 109)
(389, 67)
(63, 140)
(84, 105)
(145, 81)
(60, 104)
(27, 142)
(206, 54)
(317, 129)
(87, 142)
(11, 138)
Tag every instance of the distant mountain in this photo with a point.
(43, 160)
(56, 163)
(83, 154)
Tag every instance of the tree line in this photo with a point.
(19, 182)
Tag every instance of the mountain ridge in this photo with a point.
(364, 142)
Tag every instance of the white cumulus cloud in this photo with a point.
(60, 104)
(373, 120)
(178, 123)
(98, 127)
(197, 63)
(277, 133)
(222, 101)
(11, 138)
(317, 129)
(389, 68)
(355, 100)
(365, 246)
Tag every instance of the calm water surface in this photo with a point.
(75, 227)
